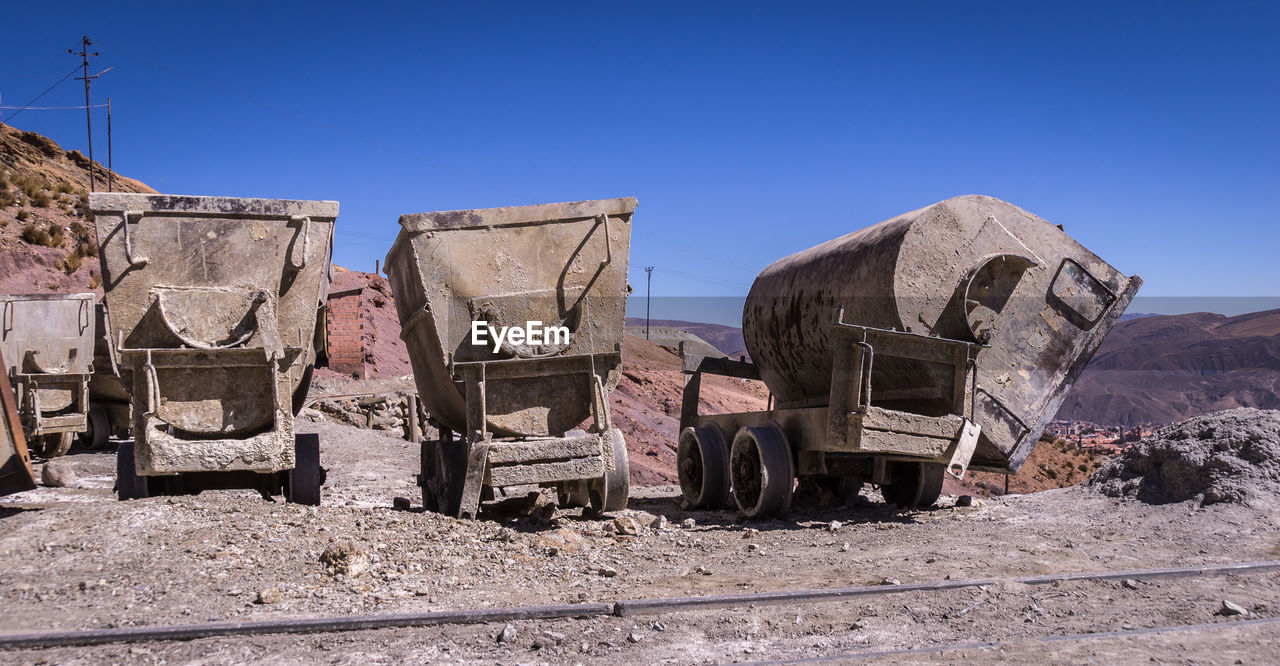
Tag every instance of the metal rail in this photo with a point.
(1043, 640)
(620, 608)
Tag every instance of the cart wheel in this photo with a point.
(95, 436)
(573, 495)
(763, 471)
(915, 485)
(128, 484)
(610, 492)
(702, 459)
(444, 469)
(306, 477)
(53, 445)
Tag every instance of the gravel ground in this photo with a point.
(73, 558)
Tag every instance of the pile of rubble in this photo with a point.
(389, 412)
(1230, 456)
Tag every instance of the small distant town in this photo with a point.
(1101, 439)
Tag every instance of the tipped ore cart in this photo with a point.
(941, 340)
(520, 403)
(212, 305)
(48, 340)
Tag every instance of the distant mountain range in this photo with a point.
(1150, 369)
(1165, 368)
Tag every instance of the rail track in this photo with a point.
(628, 608)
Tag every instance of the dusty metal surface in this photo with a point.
(48, 341)
(971, 268)
(213, 303)
(15, 463)
(559, 265)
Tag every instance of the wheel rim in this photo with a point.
(762, 470)
(915, 485)
(702, 462)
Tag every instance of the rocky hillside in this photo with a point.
(47, 244)
(727, 339)
(1161, 369)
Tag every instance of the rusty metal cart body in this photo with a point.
(212, 305)
(48, 339)
(943, 338)
(16, 474)
(519, 404)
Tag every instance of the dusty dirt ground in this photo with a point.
(73, 558)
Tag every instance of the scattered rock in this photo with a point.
(634, 637)
(607, 571)
(834, 525)
(658, 524)
(845, 548)
(658, 626)
(688, 523)
(751, 547)
(964, 500)
(555, 636)
(58, 473)
(1130, 584)
(1230, 609)
(271, 595)
(749, 532)
(401, 504)
(890, 581)
(702, 570)
(344, 559)
(505, 535)
(507, 635)
(626, 525)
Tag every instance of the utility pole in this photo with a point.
(88, 117)
(648, 294)
(110, 169)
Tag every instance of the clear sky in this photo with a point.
(747, 131)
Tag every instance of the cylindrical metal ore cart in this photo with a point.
(942, 339)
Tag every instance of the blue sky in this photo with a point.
(747, 131)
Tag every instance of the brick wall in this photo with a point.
(345, 330)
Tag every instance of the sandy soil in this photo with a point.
(74, 558)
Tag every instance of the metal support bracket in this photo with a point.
(964, 449)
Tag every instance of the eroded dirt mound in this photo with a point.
(1230, 456)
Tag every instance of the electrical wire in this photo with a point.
(46, 91)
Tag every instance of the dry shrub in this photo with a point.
(40, 199)
(4, 180)
(64, 188)
(35, 235)
(95, 281)
(73, 261)
(23, 215)
(7, 199)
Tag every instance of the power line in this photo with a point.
(46, 91)
(54, 108)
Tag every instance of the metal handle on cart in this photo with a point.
(134, 260)
(304, 224)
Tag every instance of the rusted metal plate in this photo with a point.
(562, 265)
(971, 268)
(212, 306)
(16, 474)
